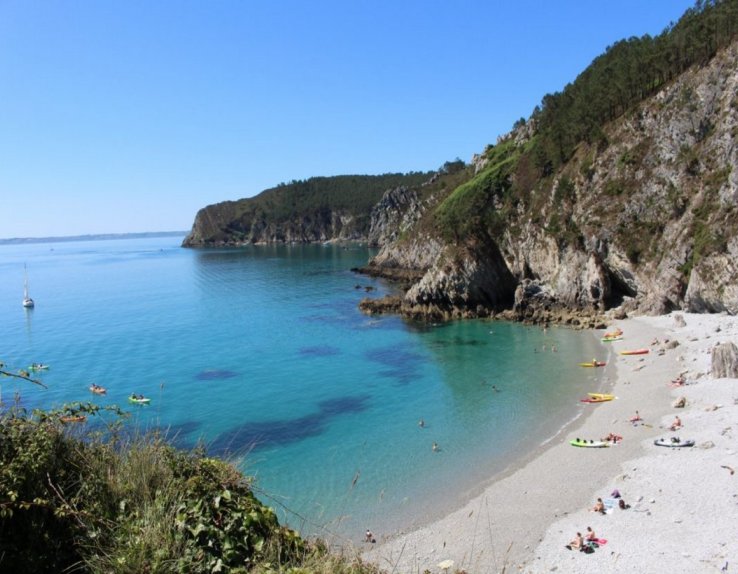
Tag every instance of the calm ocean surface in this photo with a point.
(262, 354)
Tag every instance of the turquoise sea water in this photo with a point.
(261, 354)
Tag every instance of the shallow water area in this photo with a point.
(262, 354)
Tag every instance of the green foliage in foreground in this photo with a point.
(95, 502)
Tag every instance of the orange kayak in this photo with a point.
(73, 419)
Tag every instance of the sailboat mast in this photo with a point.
(27, 301)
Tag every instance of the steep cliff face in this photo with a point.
(314, 210)
(645, 219)
(662, 197)
(215, 225)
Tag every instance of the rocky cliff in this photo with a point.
(644, 219)
(314, 210)
(618, 195)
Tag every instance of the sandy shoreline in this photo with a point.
(522, 520)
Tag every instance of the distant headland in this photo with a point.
(95, 237)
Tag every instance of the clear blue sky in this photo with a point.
(130, 115)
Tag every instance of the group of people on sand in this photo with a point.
(613, 438)
(586, 543)
(636, 419)
(590, 541)
(601, 508)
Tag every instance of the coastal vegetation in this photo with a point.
(614, 84)
(572, 184)
(313, 209)
(629, 71)
(91, 496)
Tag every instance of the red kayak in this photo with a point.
(597, 399)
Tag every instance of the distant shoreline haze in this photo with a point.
(91, 237)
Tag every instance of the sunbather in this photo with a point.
(613, 438)
(577, 543)
(599, 506)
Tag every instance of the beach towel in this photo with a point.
(610, 504)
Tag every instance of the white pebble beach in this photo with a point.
(683, 513)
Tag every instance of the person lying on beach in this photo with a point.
(676, 424)
(680, 381)
(599, 506)
(635, 418)
(577, 543)
(613, 438)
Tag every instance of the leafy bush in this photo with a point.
(94, 501)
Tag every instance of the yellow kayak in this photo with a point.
(602, 396)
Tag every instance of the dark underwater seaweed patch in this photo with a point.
(252, 436)
(402, 365)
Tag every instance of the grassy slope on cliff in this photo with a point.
(523, 176)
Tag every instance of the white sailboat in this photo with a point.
(27, 301)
